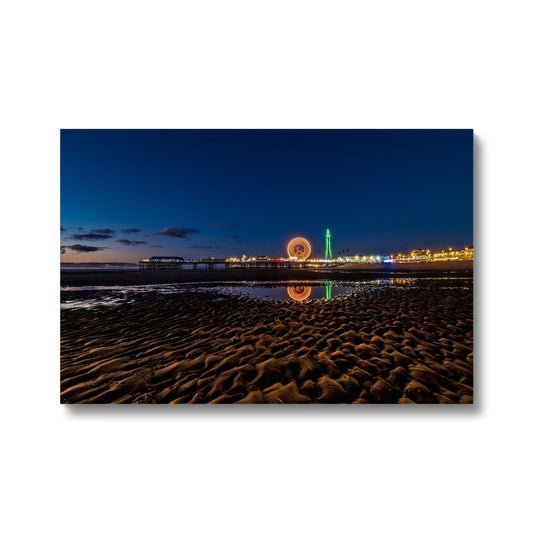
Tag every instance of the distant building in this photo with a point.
(421, 255)
(364, 259)
(466, 253)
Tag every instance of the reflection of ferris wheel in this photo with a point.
(299, 294)
(299, 248)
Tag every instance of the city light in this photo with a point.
(299, 251)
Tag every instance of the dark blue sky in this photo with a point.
(234, 192)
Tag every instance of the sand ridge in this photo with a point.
(387, 346)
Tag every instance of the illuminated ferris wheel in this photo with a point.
(299, 248)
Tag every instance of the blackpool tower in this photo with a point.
(328, 254)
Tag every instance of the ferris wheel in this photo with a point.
(299, 248)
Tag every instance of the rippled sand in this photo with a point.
(389, 346)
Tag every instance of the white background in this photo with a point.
(249, 64)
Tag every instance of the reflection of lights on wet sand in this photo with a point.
(399, 281)
(299, 294)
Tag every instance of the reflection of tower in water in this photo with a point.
(299, 294)
(328, 286)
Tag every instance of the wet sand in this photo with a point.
(394, 345)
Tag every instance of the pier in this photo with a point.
(165, 264)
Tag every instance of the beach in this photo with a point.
(392, 344)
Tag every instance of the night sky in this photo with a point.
(132, 194)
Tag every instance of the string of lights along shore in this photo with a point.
(299, 256)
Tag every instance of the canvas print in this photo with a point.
(267, 266)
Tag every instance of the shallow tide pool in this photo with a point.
(296, 291)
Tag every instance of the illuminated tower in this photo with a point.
(328, 254)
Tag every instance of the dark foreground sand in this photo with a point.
(393, 345)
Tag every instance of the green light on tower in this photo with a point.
(328, 254)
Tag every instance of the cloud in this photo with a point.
(94, 235)
(92, 264)
(80, 248)
(91, 236)
(63, 229)
(156, 246)
(233, 239)
(200, 247)
(227, 226)
(130, 230)
(180, 233)
(130, 243)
